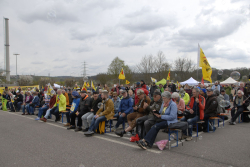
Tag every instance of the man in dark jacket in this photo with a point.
(86, 118)
(18, 102)
(82, 109)
(210, 107)
(125, 108)
(152, 89)
(173, 87)
(240, 104)
(145, 123)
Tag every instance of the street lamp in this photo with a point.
(16, 63)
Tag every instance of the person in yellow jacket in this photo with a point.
(59, 106)
(185, 96)
(105, 112)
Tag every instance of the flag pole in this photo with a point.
(198, 61)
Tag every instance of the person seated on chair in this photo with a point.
(66, 96)
(194, 113)
(125, 107)
(83, 108)
(226, 97)
(240, 104)
(185, 96)
(87, 118)
(167, 115)
(28, 100)
(145, 123)
(210, 107)
(18, 100)
(106, 112)
(35, 102)
(76, 101)
(179, 102)
(60, 105)
(139, 111)
(203, 92)
(52, 103)
(7, 97)
(42, 110)
(116, 100)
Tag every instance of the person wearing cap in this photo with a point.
(87, 118)
(139, 111)
(240, 104)
(75, 103)
(18, 101)
(203, 92)
(83, 108)
(179, 102)
(144, 124)
(124, 108)
(185, 96)
(152, 89)
(166, 116)
(138, 86)
(195, 112)
(28, 100)
(52, 102)
(105, 112)
(35, 102)
(210, 107)
(226, 97)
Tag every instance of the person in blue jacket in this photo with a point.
(75, 103)
(126, 107)
(35, 102)
(167, 115)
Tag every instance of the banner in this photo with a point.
(24, 88)
(122, 75)
(153, 80)
(168, 78)
(127, 82)
(206, 68)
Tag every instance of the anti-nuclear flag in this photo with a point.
(121, 75)
(168, 78)
(153, 80)
(127, 82)
(88, 84)
(50, 90)
(84, 86)
(202, 62)
(92, 85)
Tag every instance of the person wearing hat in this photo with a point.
(124, 108)
(195, 113)
(18, 101)
(203, 92)
(144, 124)
(226, 97)
(152, 89)
(139, 111)
(83, 108)
(105, 112)
(210, 108)
(75, 103)
(185, 96)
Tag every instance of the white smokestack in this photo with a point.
(7, 53)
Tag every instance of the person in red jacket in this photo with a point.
(195, 112)
(143, 85)
(138, 86)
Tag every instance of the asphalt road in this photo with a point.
(25, 142)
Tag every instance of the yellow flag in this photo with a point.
(84, 86)
(42, 87)
(168, 78)
(206, 68)
(88, 84)
(122, 75)
(153, 80)
(127, 82)
(93, 86)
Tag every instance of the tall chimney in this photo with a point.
(7, 53)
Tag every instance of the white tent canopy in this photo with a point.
(57, 86)
(229, 81)
(190, 81)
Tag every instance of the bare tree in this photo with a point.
(161, 66)
(184, 68)
(146, 67)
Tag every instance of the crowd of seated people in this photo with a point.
(145, 110)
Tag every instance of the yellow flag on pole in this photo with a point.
(153, 80)
(127, 82)
(121, 75)
(206, 68)
(88, 84)
(92, 85)
(84, 86)
(168, 78)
